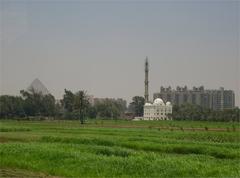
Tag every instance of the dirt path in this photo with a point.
(17, 173)
(168, 128)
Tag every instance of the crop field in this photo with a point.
(102, 148)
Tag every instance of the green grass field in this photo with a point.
(102, 148)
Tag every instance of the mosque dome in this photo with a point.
(158, 101)
(148, 104)
(168, 103)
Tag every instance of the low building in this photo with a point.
(158, 110)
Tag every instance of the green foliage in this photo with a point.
(195, 112)
(68, 101)
(67, 149)
(11, 106)
(109, 109)
(137, 104)
(30, 104)
(76, 105)
(81, 105)
(37, 104)
(92, 112)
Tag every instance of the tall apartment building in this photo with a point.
(212, 99)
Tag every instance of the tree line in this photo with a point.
(35, 105)
(196, 112)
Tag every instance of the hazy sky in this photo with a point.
(100, 46)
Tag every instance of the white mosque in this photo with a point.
(158, 110)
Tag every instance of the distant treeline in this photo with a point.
(33, 105)
(195, 112)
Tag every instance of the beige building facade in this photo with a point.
(158, 110)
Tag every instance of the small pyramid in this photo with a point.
(38, 87)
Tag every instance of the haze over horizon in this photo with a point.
(101, 46)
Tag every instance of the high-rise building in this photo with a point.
(213, 99)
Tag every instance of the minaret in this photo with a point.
(146, 81)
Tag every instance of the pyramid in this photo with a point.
(38, 87)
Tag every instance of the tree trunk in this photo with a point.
(81, 118)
